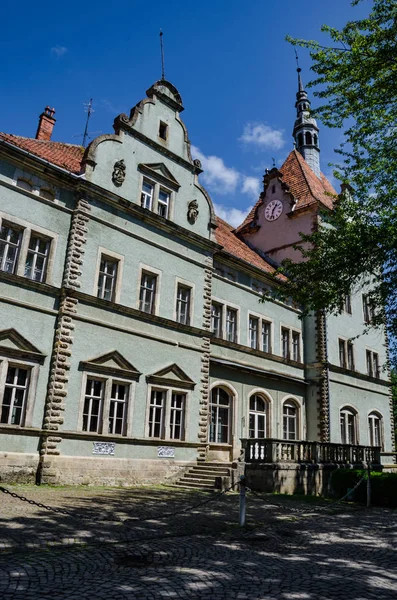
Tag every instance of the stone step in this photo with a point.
(198, 480)
(211, 471)
(203, 463)
(192, 486)
(206, 476)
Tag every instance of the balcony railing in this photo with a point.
(257, 450)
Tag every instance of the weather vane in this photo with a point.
(162, 54)
(297, 61)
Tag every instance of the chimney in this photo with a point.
(46, 124)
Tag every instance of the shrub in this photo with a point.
(383, 486)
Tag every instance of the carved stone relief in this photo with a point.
(118, 174)
(192, 212)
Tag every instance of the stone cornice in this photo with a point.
(24, 282)
(253, 352)
(357, 375)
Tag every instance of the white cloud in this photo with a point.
(233, 216)
(58, 51)
(217, 175)
(251, 186)
(263, 136)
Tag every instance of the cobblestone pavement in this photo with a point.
(290, 551)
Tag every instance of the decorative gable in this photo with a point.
(160, 173)
(112, 363)
(14, 345)
(172, 376)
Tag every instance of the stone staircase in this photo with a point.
(203, 475)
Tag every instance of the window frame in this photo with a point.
(298, 419)
(119, 259)
(108, 380)
(261, 319)
(28, 230)
(346, 354)
(230, 407)
(373, 365)
(268, 414)
(371, 417)
(33, 374)
(33, 235)
(224, 307)
(182, 283)
(368, 310)
(348, 410)
(167, 410)
(146, 269)
(165, 126)
(36, 184)
(157, 187)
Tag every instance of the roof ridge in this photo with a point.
(304, 174)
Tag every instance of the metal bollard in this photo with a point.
(242, 501)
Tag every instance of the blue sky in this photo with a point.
(228, 59)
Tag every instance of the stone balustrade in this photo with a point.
(266, 450)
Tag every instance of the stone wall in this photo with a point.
(290, 478)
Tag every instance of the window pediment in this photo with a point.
(171, 376)
(14, 345)
(160, 173)
(112, 363)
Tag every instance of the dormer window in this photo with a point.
(25, 185)
(147, 195)
(163, 130)
(163, 203)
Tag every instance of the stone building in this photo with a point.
(133, 342)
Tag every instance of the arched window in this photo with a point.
(290, 420)
(258, 417)
(348, 426)
(300, 139)
(315, 140)
(375, 429)
(308, 137)
(221, 416)
(25, 185)
(46, 193)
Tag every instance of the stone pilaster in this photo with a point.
(205, 362)
(63, 341)
(392, 424)
(323, 383)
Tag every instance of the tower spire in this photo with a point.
(305, 131)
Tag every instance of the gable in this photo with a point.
(111, 363)
(160, 173)
(171, 376)
(13, 344)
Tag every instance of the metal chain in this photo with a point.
(114, 518)
(315, 509)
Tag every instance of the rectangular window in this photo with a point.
(36, 258)
(266, 336)
(93, 400)
(163, 130)
(231, 324)
(296, 341)
(347, 305)
(368, 310)
(107, 278)
(156, 413)
(14, 399)
(350, 356)
(342, 354)
(372, 364)
(216, 319)
(177, 416)
(147, 294)
(285, 342)
(118, 408)
(254, 332)
(163, 204)
(10, 245)
(183, 296)
(147, 195)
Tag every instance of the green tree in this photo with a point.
(356, 81)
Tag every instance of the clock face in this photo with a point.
(273, 210)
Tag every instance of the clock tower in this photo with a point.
(293, 195)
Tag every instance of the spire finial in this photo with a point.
(300, 84)
(162, 54)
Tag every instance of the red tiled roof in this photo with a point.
(62, 155)
(303, 184)
(226, 237)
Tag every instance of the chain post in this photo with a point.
(242, 501)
